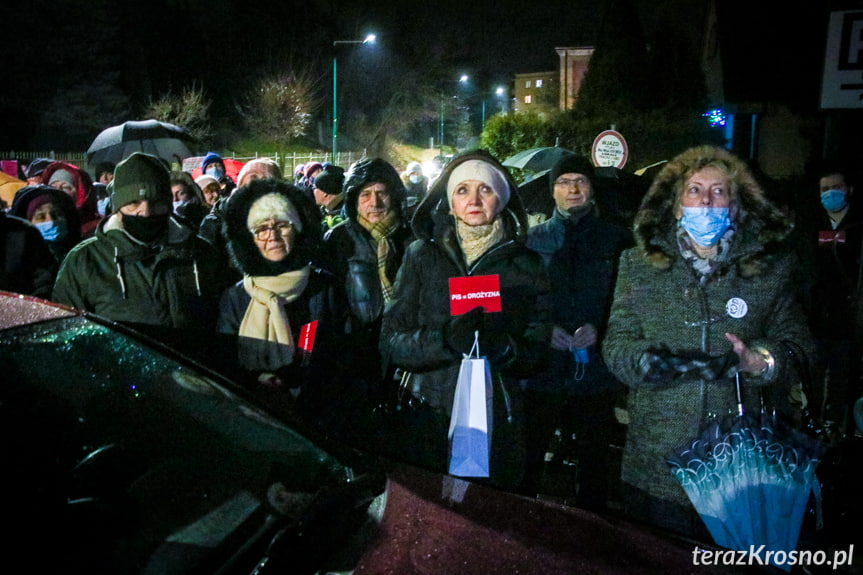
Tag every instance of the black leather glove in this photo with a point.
(494, 340)
(458, 333)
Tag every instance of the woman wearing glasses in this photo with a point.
(282, 311)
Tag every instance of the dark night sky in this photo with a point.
(191, 39)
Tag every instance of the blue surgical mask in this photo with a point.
(102, 205)
(415, 179)
(834, 200)
(705, 225)
(215, 171)
(53, 230)
(178, 205)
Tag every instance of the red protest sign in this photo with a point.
(307, 341)
(307, 336)
(829, 237)
(466, 293)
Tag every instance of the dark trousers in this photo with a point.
(590, 419)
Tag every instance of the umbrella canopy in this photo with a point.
(9, 186)
(160, 139)
(537, 159)
(750, 482)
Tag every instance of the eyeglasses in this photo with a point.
(571, 183)
(281, 229)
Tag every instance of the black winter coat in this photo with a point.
(26, 263)
(515, 340)
(352, 255)
(581, 259)
(413, 331)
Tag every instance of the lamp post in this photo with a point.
(370, 39)
(463, 79)
(498, 92)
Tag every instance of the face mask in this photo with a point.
(415, 179)
(215, 171)
(705, 225)
(102, 205)
(833, 200)
(178, 205)
(53, 230)
(146, 229)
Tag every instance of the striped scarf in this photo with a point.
(380, 233)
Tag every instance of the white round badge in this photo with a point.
(736, 307)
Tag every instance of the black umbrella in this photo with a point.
(160, 139)
(537, 159)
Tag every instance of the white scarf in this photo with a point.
(266, 339)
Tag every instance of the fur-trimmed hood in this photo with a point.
(433, 213)
(242, 249)
(760, 227)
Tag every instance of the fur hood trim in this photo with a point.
(761, 228)
(242, 249)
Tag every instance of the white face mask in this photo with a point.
(414, 178)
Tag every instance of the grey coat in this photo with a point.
(659, 299)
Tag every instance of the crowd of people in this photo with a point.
(329, 293)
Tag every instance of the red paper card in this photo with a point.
(307, 336)
(830, 236)
(466, 293)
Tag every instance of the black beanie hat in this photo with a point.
(573, 164)
(331, 180)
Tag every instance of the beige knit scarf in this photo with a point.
(266, 339)
(476, 240)
(380, 232)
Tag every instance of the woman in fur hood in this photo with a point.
(705, 294)
(282, 312)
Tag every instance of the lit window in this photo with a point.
(527, 99)
(527, 84)
(539, 83)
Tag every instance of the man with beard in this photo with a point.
(144, 266)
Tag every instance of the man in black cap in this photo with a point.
(329, 196)
(33, 171)
(143, 266)
(576, 394)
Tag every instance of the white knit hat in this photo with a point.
(274, 207)
(482, 171)
(205, 180)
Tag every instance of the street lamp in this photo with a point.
(370, 39)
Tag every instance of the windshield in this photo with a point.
(125, 424)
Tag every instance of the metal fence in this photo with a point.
(287, 161)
